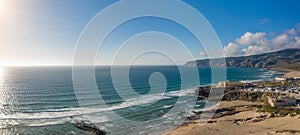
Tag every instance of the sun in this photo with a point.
(3, 9)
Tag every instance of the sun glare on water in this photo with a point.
(2, 71)
(2, 76)
(2, 91)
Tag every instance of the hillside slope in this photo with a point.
(284, 59)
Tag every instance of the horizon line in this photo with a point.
(69, 65)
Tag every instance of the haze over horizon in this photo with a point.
(44, 33)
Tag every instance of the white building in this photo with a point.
(280, 79)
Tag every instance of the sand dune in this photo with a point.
(246, 121)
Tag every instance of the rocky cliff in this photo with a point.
(284, 59)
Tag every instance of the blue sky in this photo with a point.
(45, 32)
(232, 18)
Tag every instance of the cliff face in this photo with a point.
(285, 59)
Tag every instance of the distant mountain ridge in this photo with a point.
(285, 59)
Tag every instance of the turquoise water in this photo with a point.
(36, 100)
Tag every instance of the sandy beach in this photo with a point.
(292, 74)
(245, 120)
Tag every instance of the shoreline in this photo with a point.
(282, 70)
(246, 117)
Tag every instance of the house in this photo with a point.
(280, 79)
(282, 101)
(222, 83)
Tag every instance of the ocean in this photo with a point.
(42, 100)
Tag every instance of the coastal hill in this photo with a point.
(285, 60)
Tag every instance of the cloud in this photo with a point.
(288, 39)
(264, 21)
(231, 49)
(280, 41)
(256, 43)
(290, 31)
(252, 39)
(251, 50)
(260, 42)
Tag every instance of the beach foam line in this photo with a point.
(61, 116)
(77, 111)
(251, 81)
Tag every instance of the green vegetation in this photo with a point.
(232, 95)
(279, 111)
(269, 83)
